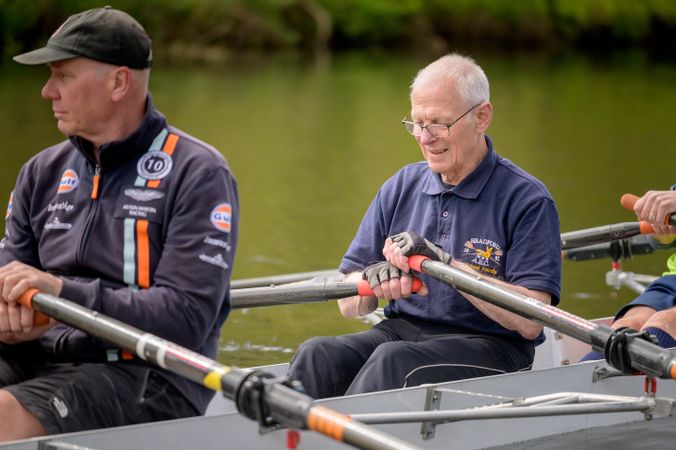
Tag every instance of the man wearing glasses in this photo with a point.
(484, 214)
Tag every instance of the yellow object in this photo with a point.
(212, 380)
(671, 265)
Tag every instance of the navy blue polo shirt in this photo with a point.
(659, 295)
(500, 220)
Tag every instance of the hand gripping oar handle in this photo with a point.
(303, 293)
(258, 396)
(629, 200)
(645, 356)
(39, 318)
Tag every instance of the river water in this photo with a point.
(311, 140)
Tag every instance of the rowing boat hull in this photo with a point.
(230, 430)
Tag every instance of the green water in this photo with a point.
(310, 142)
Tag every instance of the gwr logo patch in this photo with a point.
(221, 217)
(69, 182)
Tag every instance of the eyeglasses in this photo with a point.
(437, 130)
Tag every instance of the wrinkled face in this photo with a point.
(79, 90)
(438, 103)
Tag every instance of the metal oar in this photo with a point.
(256, 394)
(605, 233)
(644, 356)
(302, 293)
(622, 249)
(282, 279)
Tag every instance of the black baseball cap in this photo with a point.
(104, 34)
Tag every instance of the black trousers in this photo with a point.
(402, 352)
(75, 396)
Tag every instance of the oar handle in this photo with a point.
(629, 200)
(26, 299)
(365, 290)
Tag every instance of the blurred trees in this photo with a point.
(211, 29)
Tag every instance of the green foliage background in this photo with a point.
(214, 29)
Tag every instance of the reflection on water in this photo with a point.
(311, 141)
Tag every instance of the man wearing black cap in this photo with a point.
(129, 216)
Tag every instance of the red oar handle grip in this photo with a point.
(415, 262)
(364, 289)
(26, 299)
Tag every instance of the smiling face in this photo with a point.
(455, 156)
(80, 92)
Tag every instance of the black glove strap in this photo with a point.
(411, 243)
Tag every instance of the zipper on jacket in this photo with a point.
(95, 182)
(96, 189)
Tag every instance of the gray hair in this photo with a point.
(469, 78)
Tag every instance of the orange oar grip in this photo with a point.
(628, 201)
(365, 290)
(672, 371)
(26, 299)
(646, 228)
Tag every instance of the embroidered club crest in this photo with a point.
(483, 254)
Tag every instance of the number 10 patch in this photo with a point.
(154, 165)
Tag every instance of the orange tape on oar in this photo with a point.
(26, 299)
(327, 422)
(365, 290)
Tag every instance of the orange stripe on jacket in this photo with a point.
(168, 148)
(143, 253)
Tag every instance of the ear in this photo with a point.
(121, 83)
(484, 117)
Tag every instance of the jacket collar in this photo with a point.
(116, 153)
(472, 185)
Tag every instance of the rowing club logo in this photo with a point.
(69, 182)
(10, 205)
(221, 217)
(483, 254)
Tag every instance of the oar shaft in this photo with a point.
(303, 293)
(146, 346)
(284, 405)
(282, 279)
(646, 356)
(624, 248)
(288, 295)
(605, 233)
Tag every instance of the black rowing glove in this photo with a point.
(411, 243)
(382, 271)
